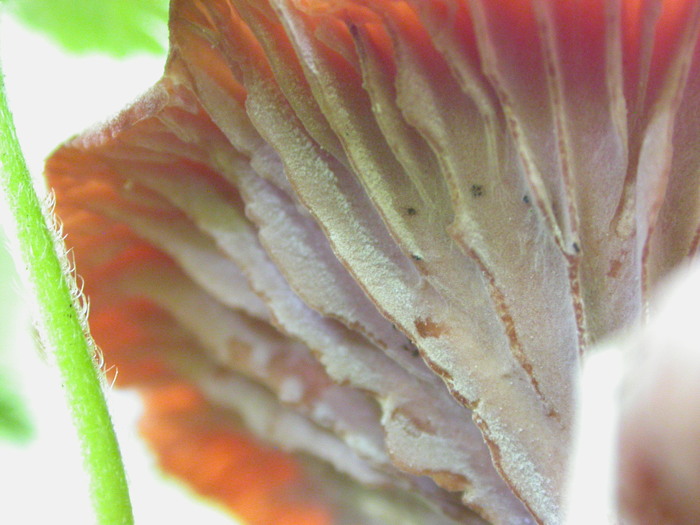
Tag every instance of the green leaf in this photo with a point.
(14, 417)
(115, 27)
(14, 421)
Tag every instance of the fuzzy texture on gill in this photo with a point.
(383, 232)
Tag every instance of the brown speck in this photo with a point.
(429, 328)
(477, 190)
(615, 268)
(551, 413)
(450, 481)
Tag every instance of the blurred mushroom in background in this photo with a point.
(635, 453)
(659, 443)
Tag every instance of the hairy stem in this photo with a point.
(63, 328)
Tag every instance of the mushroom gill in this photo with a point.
(380, 234)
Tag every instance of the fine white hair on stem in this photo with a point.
(75, 282)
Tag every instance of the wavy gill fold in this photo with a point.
(379, 234)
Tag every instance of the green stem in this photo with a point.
(63, 329)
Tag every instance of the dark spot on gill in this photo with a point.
(477, 190)
(416, 257)
(411, 349)
(526, 199)
(411, 211)
(576, 247)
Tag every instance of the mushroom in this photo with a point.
(383, 233)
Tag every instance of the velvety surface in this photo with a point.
(392, 228)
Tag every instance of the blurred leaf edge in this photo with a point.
(118, 28)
